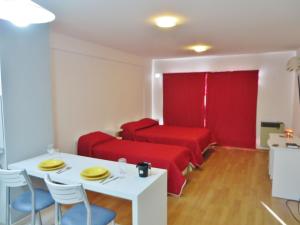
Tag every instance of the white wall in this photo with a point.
(275, 95)
(26, 85)
(95, 88)
(296, 106)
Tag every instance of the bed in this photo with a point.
(175, 159)
(197, 140)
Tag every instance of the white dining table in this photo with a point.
(148, 195)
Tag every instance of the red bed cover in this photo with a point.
(196, 139)
(172, 158)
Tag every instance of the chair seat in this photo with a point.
(78, 215)
(43, 200)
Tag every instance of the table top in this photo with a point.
(281, 140)
(128, 187)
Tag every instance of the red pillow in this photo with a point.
(137, 125)
(88, 141)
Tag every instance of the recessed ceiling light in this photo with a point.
(166, 21)
(199, 48)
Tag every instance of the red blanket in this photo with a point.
(172, 158)
(195, 139)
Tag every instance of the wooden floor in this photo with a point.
(227, 190)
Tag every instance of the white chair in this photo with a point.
(80, 214)
(32, 201)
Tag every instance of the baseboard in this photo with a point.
(263, 148)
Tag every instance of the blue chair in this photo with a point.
(80, 214)
(32, 201)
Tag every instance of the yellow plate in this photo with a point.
(96, 178)
(94, 172)
(51, 163)
(53, 168)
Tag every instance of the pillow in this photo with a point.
(88, 141)
(137, 125)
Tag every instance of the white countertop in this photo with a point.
(281, 140)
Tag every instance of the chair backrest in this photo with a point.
(14, 178)
(66, 193)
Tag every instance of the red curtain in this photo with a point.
(231, 107)
(183, 99)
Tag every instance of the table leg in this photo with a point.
(150, 207)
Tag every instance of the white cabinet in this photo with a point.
(284, 167)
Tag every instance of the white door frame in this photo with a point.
(3, 159)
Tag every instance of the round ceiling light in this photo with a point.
(166, 21)
(199, 48)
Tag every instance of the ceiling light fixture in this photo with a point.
(24, 12)
(199, 48)
(166, 21)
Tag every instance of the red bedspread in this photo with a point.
(172, 158)
(196, 139)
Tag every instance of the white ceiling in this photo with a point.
(230, 26)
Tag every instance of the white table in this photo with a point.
(277, 139)
(284, 167)
(148, 195)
